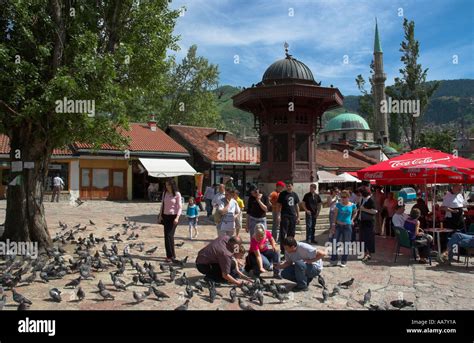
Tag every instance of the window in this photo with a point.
(344, 136)
(100, 178)
(86, 178)
(118, 178)
(264, 148)
(302, 148)
(53, 169)
(280, 148)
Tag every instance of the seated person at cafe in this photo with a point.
(302, 263)
(421, 205)
(217, 260)
(422, 240)
(263, 252)
(456, 241)
(399, 217)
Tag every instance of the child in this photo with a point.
(238, 221)
(192, 213)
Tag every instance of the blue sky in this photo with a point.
(321, 32)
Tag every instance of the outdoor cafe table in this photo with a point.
(438, 230)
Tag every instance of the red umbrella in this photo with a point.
(421, 166)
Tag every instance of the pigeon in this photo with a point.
(100, 286)
(244, 306)
(74, 283)
(183, 307)
(106, 294)
(3, 301)
(30, 279)
(375, 307)
(189, 291)
(321, 281)
(80, 294)
(367, 297)
(198, 286)
(179, 245)
(159, 294)
(151, 251)
(79, 202)
(280, 297)
(55, 294)
(212, 294)
(347, 283)
(233, 294)
(44, 277)
(325, 295)
(281, 289)
(260, 297)
(91, 222)
(335, 291)
(23, 306)
(182, 262)
(172, 274)
(139, 297)
(183, 280)
(401, 303)
(18, 298)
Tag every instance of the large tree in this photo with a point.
(110, 51)
(411, 85)
(190, 98)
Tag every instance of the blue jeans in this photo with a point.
(209, 207)
(275, 225)
(343, 235)
(459, 240)
(269, 257)
(300, 272)
(310, 226)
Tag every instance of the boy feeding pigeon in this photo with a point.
(302, 263)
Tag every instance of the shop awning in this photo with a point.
(326, 177)
(349, 178)
(167, 167)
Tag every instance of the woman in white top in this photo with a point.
(229, 210)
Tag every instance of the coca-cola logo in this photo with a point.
(416, 161)
(377, 175)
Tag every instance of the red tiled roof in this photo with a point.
(5, 147)
(337, 159)
(142, 138)
(209, 148)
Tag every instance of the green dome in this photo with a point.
(346, 121)
(389, 150)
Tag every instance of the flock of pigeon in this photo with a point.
(93, 254)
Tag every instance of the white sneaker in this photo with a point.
(343, 265)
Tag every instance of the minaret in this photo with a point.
(381, 125)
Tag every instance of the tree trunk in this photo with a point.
(25, 219)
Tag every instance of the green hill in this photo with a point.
(452, 102)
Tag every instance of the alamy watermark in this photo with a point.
(228, 153)
(345, 248)
(400, 106)
(19, 248)
(66, 105)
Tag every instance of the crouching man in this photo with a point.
(217, 260)
(302, 263)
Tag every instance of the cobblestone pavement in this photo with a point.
(435, 287)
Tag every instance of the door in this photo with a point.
(118, 188)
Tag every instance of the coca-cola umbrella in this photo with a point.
(420, 166)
